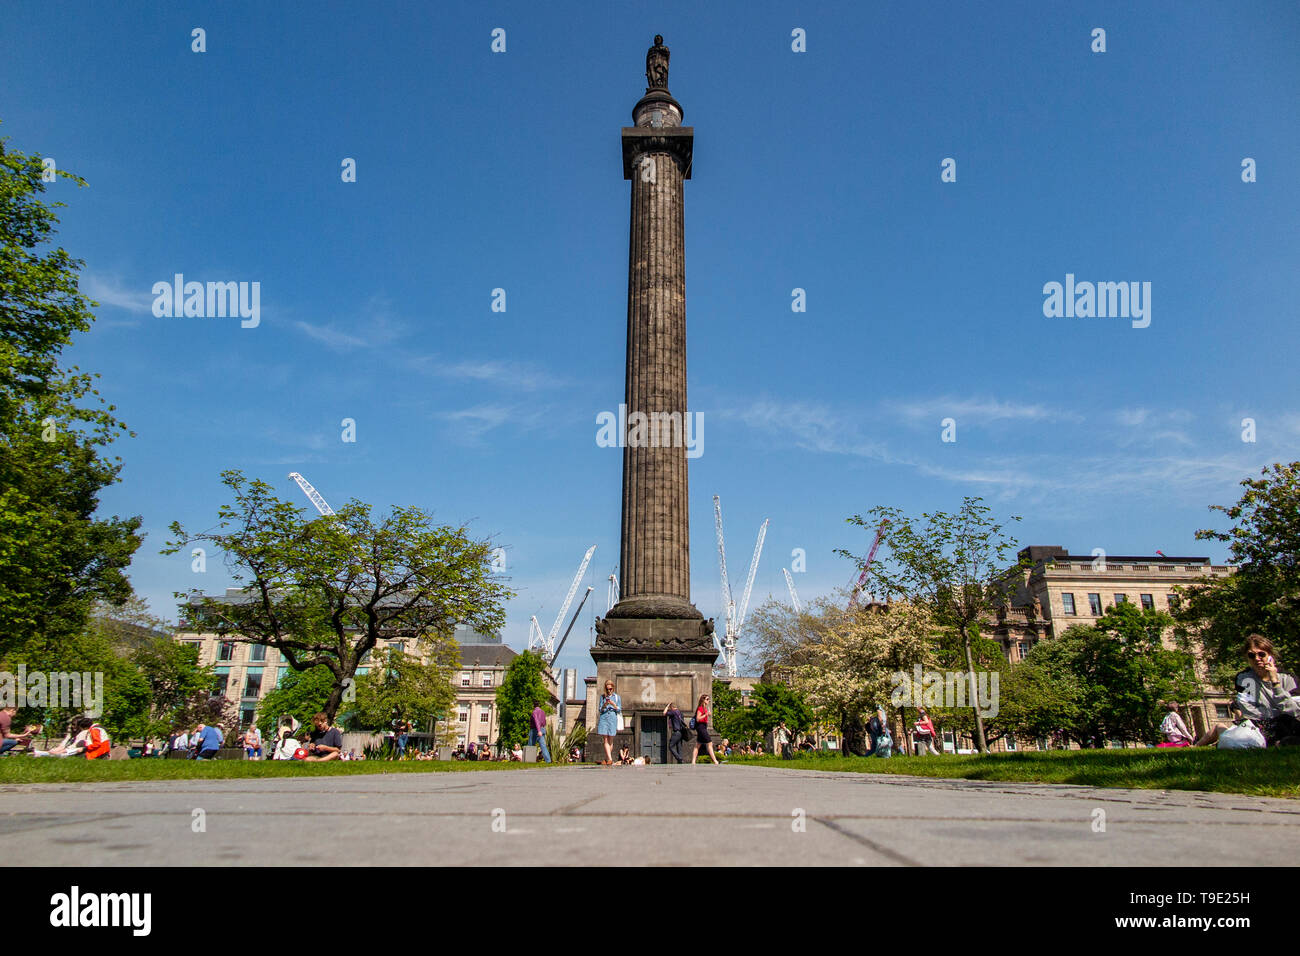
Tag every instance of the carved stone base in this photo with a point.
(653, 662)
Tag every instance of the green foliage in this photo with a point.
(560, 744)
(179, 688)
(1110, 677)
(521, 688)
(731, 718)
(776, 705)
(1264, 595)
(301, 694)
(401, 685)
(56, 557)
(325, 591)
(952, 563)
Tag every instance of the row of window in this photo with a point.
(484, 713)
(465, 680)
(1094, 602)
(257, 652)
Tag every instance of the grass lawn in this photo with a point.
(1261, 773)
(22, 769)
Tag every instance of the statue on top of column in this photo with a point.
(656, 66)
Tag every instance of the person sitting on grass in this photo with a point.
(1265, 696)
(517, 752)
(624, 755)
(8, 741)
(326, 741)
(91, 740)
(1175, 731)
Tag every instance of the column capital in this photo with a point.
(678, 141)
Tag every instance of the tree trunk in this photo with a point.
(980, 743)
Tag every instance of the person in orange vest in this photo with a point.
(91, 739)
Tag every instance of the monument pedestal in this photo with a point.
(653, 662)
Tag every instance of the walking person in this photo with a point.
(537, 731)
(611, 709)
(677, 727)
(925, 734)
(701, 728)
(882, 742)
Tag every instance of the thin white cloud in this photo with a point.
(108, 290)
(503, 373)
(977, 411)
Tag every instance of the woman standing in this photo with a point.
(702, 730)
(611, 707)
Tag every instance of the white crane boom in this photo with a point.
(749, 581)
(549, 641)
(321, 504)
(794, 598)
(612, 594)
(728, 606)
(535, 635)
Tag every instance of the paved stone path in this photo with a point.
(659, 816)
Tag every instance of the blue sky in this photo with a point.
(817, 170)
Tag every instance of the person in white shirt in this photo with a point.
(1175, 731)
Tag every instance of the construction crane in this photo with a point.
(611, 595)
(547, 641)
(735, 619)
(572, 621)
(794, 598)
(871, 556)
(321, 504)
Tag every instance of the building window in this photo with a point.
(227, 652)
(1094, 603)
(223, 679)
(1067, 602)
(485, 715)
(487, 681)
(1171, 600)
(253, 682)
(399, 646)
(1121, 598)
(1148, 603)
(1022, 648)
(464, 711)
(246, 716)
(464, 680)
(257, 652)
(1011, 744)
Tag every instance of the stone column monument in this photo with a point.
(654, 644)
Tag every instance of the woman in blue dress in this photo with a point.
(611, 706)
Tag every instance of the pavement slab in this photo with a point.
(635, 816)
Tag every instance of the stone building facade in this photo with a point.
(1059, 590)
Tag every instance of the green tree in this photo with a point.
(845, 664)
(179, 687)
(403, 685)
(731, 718)
(1263, 597)
(521, 689)
(776, 705)
(301, 694)
(326, 591)
(56, 557)
(951, 562)
(1113, 675)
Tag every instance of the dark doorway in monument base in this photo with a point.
(654, 739)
